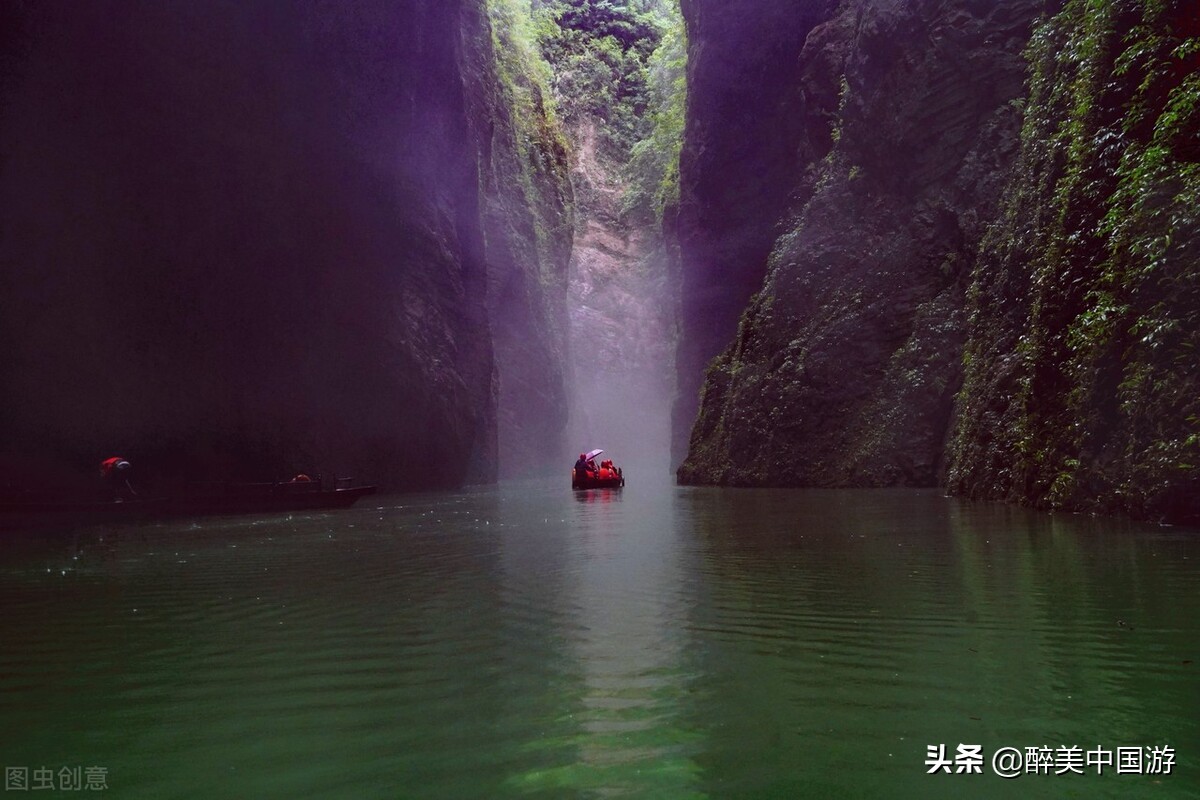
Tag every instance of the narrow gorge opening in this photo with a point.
(438, 242)
(621, 321)
(614, 73)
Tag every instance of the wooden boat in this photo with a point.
(244, 498)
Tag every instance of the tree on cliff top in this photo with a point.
(598, 51)
(619, 67)
(653, 169)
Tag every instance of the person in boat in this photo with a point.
(581, 466)
(118, 473)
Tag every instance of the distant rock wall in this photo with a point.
(622, 321)
(892, 151)
(240, 239)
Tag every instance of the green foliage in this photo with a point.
(603, 19)
(1080, 387)
(620, 65)
(598, 51)
(525, 80)
(515, 39)
(653, 170)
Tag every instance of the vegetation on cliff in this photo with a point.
(598, 51)
(653, 170)
(1081, 387)
(523, 80)
(614, 73)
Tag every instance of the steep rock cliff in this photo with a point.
(845, 364)
(755, 126)
(528, 224)
(1081, 388)
(239, 239)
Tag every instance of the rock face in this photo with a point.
(755, 127)
(1081, 388)
(528, 225)
(241, 239)
(896, 126)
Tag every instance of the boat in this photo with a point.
(612, 478)
(214, 499)
(591, 481)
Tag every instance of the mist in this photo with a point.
(622, 350)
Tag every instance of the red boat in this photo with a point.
(606, 476)
(595, 481)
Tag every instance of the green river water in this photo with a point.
(661, 642)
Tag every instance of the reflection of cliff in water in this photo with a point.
(850, 622)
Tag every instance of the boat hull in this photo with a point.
(271, 498)
(591, 482)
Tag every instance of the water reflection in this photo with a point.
(626, 592)
(598, 496)
(654, 642)
(846, 631)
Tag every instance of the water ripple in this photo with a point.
(669, 643)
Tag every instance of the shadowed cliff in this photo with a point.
(754, 129)
(241, 239)
(844, 366)
(528, 226)
(987, 277)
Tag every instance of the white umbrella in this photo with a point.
(593, 454)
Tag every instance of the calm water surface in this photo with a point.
(663, 642)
